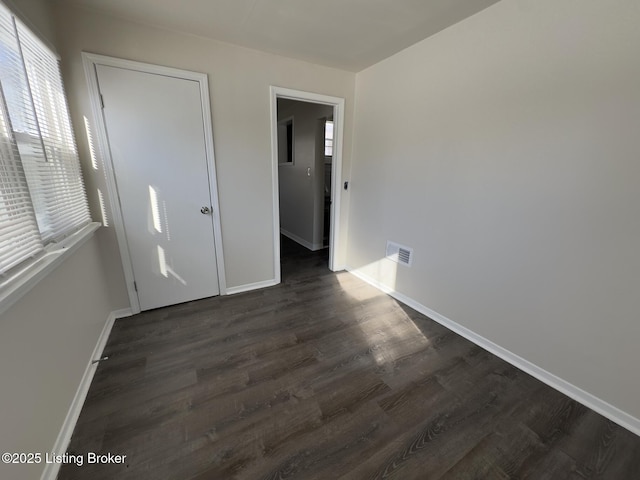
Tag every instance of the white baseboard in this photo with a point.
(50, 471)
(605, 409)
(251, 286)
(311, 246)
(122, 313)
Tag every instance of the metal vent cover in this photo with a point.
(399, 253)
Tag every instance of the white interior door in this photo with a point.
(155, 130)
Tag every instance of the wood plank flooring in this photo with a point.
(324, 377)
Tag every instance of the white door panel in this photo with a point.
(156, 135)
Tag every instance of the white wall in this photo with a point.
(47, 337)
(506, 151)
(239, 81)
(301, 195)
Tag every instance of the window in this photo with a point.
(42, 197)
(328, 138)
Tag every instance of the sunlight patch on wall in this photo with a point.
(162, 262)
(103, 209)
(155, 209)
(383, 271)
(165, 268)
(92, 150)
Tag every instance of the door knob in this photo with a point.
(205, 210)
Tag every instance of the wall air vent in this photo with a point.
(399, 253)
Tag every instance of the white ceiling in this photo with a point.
(346, 34)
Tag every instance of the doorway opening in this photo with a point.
(306, 150)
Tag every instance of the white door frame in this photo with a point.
(336, 168)
(103, 152)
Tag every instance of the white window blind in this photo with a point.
(59, 197)
(42, 197)
(19, 236)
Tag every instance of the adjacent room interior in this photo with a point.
(435, 202)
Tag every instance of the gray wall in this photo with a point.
(239, 80)
(46, 341)
(505, 150)
(302, 196)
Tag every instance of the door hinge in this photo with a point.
(135, 286)
(101, 101)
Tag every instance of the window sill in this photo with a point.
(18, 284)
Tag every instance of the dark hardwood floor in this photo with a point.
(324, 377)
